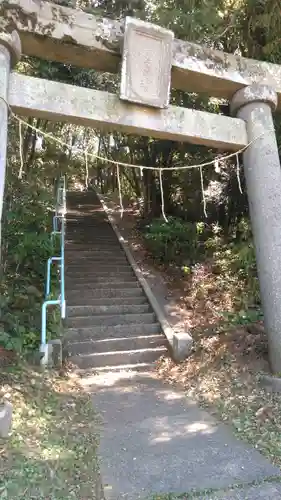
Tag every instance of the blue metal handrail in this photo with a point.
(58, 229)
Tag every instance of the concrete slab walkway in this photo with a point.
(157, 441)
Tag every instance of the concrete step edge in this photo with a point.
(129, 368)
(82, 294)
(111, 301)
(111, 316)
(106, 276)
(101, 270)
(147, 350)
(152, 337)
(90, 287)
(89, 332)
(88, 310)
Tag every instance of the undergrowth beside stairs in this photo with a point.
(51, 452)
(26, 247)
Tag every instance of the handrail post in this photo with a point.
(48, 285)
(63, 305)
(60, 212)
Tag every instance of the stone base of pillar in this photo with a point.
(6, 417)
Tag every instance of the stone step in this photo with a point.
(101, 269)
(103, 264)
(116, 256)
(77, 245)
(93, 279)
(95, 234)
(95, 254)
(74, 311)
(90, 376)
(92, 257)
(93, 246)
(85, 293)
(91, 284)
(95, 250)
(112, 241)
(98, 225)
(122, 301)
(85, 220)
(100, 332)
(100, 289)
(120, 344)
(100, 266)
(95, 231)
(92, 243)
(97, 220)
(117, 358)
(110, 320)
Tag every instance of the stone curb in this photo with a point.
(52, 354)
(6, 419)
(180, 343)
(271, 383)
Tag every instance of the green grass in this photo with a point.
(51, 453)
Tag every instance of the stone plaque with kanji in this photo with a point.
(146, 64)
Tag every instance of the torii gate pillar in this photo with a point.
(254, 104)
(10, 52)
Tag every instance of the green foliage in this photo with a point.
(26, 246)
(237, 257)
(174, 242)
(243, 317)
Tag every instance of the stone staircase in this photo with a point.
(153, 440)
(110, 324)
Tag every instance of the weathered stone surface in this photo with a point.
(272, 384)
(182, 345)
(93, 42)
(254, 93)
(61, 102)
(263, 179)
(146, 64)
(63, 34)
(6, 418)
(12, 42)
(52, 354)
(9, 55)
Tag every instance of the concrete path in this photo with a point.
(155, 440)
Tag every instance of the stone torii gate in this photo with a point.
(151, 61)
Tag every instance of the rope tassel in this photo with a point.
(162, 196)
(87, 170)
(203, 193)
(120, 191)
(21, 152)
(238, 173)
